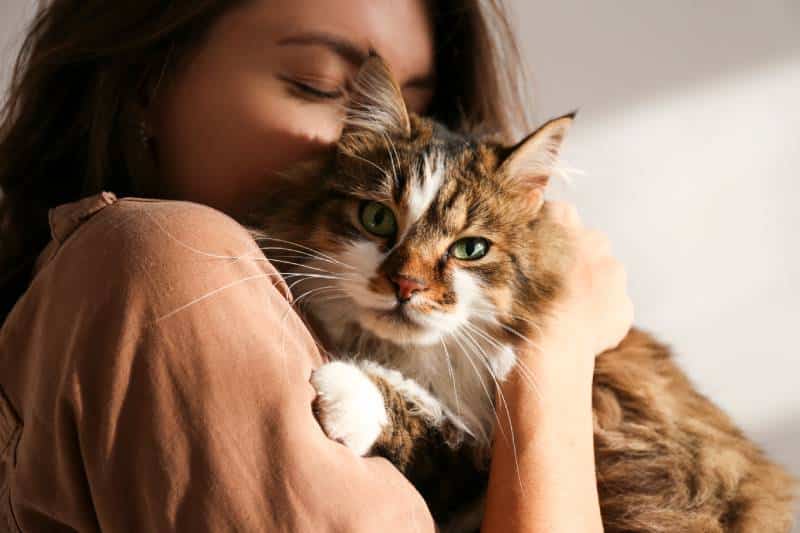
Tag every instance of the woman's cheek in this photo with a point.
(292, 133)
(315, 125)
(224, 146)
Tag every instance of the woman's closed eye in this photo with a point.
(313, 88)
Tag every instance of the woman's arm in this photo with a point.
(550, 484)
(167, 389)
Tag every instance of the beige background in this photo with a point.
(689, 136)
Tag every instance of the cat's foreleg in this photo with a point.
(420, 426)
(349, 405)
(376, 410)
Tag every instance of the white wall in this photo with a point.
(689, 134)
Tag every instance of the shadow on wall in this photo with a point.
(629, 50)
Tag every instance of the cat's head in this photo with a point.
(422, 232)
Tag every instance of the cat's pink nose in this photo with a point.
(406, 287)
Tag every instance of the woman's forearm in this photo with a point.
(551, 485)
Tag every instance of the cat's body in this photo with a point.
(424, 259)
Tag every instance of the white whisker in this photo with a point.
(302, 253)
(452, 375)
(526, 372)
(305, 295)
(485, 361)
(517, 334)
(477, 373)
(302, 265)
(213, 292)
(378, 167)
(332, 298)
(489, 314)
(262, 236)
(394, 159)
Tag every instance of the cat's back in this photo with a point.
(670, 460)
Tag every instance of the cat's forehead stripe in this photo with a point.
(424, 187)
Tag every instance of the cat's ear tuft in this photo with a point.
(375, 105)
(530, 163)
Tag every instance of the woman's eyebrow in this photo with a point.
(348, 50)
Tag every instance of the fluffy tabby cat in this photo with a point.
(422, 258)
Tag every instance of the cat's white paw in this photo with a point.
(349, 406)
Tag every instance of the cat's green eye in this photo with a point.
(378, 219)
(470, 248)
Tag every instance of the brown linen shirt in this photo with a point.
(155, 378)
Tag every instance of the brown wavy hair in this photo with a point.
(67, 130)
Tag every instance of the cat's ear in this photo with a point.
(375, 106)
(530, 163)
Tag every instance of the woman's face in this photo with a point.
(266, 89)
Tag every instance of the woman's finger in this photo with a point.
(565, 214)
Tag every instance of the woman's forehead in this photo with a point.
(399, 30)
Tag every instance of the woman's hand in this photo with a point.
(544, 480)
(591, 314)
(594, 312)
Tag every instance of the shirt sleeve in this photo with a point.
(188, 386)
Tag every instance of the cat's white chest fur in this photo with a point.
(462, 372)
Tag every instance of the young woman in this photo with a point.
(148, 384)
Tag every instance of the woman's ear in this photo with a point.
(375, 106)
(530, 163)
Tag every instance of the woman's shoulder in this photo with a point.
(148, 281)
(156, 248)
(149, 225)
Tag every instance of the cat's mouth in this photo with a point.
(400, 324)
(400, 314)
